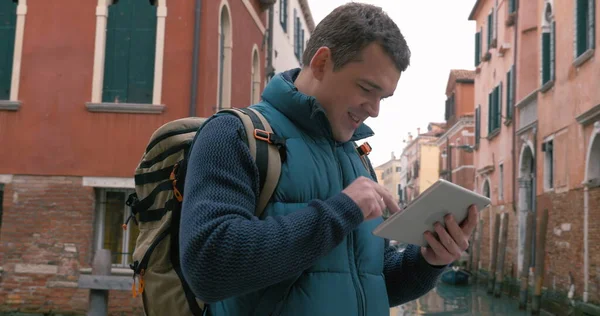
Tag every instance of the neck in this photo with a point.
(304, 82)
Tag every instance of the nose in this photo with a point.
(373, 108)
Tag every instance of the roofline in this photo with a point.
(307, 15)
(465, 80)
(475, 7)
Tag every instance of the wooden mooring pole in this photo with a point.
(101, 282)
(539, 262)
(478, 248)
(524, 290)
(501, 254)
(492, 275)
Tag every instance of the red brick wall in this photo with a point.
(510, 257)
(46, 238)
(564, 243)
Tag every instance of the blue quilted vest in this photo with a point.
(349, 280)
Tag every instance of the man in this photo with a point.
(313, 251)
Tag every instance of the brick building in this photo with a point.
(537, 112)
(83, 84)
(457, 143)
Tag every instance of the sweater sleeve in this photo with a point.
(225, 250)
(407, 275)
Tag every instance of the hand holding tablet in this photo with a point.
(446, 204)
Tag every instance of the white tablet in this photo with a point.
(431, 206)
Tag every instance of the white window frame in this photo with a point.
(99, 223)
(17, 55)
(100, 51)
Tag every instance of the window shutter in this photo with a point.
(301, 45)
(490, 113)
(130, 52)
(499, 107)
(477, 124)
(295, 33)
(591, 24)
(143, 49)
(477, 48)
(283, 14)
(553, 51)
(545, 57)
(8, 21)
(490, 28)
(581, 26)
(508, 93)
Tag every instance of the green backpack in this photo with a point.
(156, 206)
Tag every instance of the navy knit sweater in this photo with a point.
(227, 251)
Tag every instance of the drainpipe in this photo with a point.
(586, 268)
(270, 71)
(514, 118)
(195, 58)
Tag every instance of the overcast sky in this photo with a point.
(441, 38)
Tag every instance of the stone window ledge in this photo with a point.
(584, 57)
(114, 271)
(125, 108)
(7, 105)
(547, 86)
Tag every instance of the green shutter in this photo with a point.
(477, 124)
(130, 52)
(283, 14)
(553, 51)
(8, 21)
(490, 113)
(512, 6)
(490, 31)
(591, 22)
(301, 44)
(581, 27)
(295, 33)
(545, 57)
(477, 48)
(509, 95)
(499, 106)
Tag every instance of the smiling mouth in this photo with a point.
(355, 118)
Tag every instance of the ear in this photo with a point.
(321, 62)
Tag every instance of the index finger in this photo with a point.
(468, 225)
(388, 199)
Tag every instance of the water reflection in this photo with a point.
(459, 300)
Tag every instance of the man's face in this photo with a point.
(353, 93)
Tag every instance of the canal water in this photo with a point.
(459, 300)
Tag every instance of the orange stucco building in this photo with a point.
(538, 114)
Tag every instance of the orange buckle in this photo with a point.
(176, 192)
(365, 148)
(262, 135)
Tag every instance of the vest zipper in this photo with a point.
(360, 295)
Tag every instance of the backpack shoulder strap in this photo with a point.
(266, 151)
(363, 150)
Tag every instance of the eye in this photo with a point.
(364, 89)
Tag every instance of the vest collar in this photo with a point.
(305, 111)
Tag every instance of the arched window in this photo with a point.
(548, 52)
(225, 47)
(255, 77)
(486, 188)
